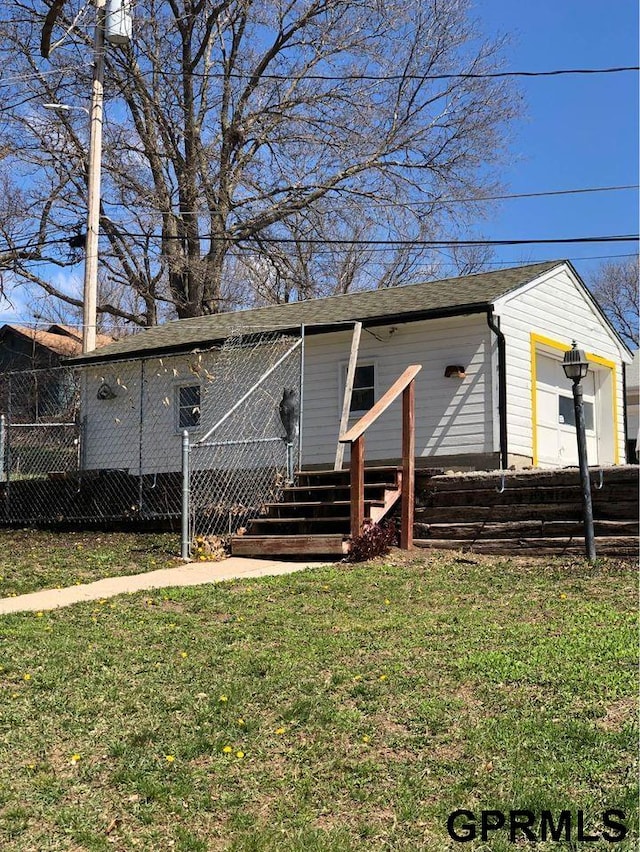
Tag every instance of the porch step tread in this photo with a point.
(272, 545)
(313, 504)
(345, 487)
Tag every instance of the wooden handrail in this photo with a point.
(381, 405)
(405, 385)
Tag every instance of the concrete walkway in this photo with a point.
(189, 574)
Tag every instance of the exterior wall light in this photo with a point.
(455, 371)
(576, 366)
(105, 391)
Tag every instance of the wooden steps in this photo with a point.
(537, 511)
(289, 545)
(313, 517)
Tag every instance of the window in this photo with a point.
(364, 392)
(188, 405)
(567, 414)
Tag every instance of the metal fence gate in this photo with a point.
(250, 442)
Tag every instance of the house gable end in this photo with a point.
(566, 267)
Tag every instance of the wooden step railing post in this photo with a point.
(357, 486)
(405, 385)
(408, 466)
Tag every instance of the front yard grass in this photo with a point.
(31, 560)
(343, 708)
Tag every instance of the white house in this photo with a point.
(492, 392)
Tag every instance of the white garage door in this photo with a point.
(556, 431)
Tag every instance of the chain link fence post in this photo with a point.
(185, 541)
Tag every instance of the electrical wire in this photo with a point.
(395, 78)
(368, 243)
(339, 78)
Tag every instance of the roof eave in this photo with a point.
(318, 328)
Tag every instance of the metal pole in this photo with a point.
(185, 543)
(93, 187)
(301, 415)
(3, 431)
(289, 462)
(585, 482)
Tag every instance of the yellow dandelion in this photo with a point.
(39, 614)
(223, 699)
(169, 758)
(75, 758)
(26, 676)
(563, 596)
(239, 755)
(183, 654)
(241, 722)
(280, 730)
(387, 601)
(227, 750)
(383, 677)
(366, 739)
(358, 677)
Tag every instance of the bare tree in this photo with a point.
(248, 143)
(615, 286)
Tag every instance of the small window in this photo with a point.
(363, 395)
(188, 402)
(567, 415)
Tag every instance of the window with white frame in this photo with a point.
(364, 388)
(187, 406)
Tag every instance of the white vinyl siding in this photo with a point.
(556, 308)
(453, 416)
(113, 427)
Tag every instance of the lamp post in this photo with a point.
(576, 366)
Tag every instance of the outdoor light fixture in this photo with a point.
(105, 391)
(455, 371)
(576, 366)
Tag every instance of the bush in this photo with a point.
(374, 540)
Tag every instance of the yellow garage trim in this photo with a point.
(541, 340)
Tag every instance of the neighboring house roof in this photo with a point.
(447, 297)
(633, 372)
(61, 340)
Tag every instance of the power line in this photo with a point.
(396, 78)
(387, 243)
(341, 78)
(441, 201)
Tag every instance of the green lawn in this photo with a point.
(31, 560)
(343, 708)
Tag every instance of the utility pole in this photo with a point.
(90, 294)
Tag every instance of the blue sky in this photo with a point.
(578, 131)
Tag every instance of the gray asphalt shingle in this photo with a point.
(446, 295)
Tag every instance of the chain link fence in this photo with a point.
(250, 440)
(102, 443)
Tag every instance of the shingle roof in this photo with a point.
(445, 297)
(65, 343)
